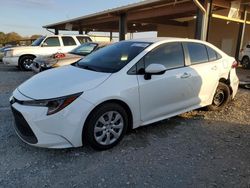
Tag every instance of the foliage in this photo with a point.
(11, 37)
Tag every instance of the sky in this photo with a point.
(27, 17)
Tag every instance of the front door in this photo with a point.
(168, 93)
(50, 46)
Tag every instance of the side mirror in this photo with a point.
(154, 69)
(44, 44)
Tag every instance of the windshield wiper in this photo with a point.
(86, 67)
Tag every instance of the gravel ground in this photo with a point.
(195, 149)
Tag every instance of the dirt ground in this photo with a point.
(196, 149)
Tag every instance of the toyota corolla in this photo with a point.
(121, 87)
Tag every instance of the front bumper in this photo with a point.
(60, 130)
(13, 61)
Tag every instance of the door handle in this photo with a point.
(214, 68)
(186, 75)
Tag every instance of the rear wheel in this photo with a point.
(245, 62)
(106, 126)
(221, 97)
(25, 62)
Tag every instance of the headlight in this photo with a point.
(54, 105)
(9, 53)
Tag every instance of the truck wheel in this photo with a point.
(25, 62)
(245, 62)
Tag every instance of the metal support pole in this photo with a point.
(200, 20)
(243, 29)
(209, 15)
(122, 26)
(241, 34)
(56, 32)
(111, 36)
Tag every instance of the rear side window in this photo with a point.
(51, 42)
(212, 55)
(68, 41)
(170, 55)
(82, 39)
(197, 53)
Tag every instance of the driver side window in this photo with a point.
(170, 55)
(51, 42)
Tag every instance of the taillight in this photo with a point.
(235, 64)
(59, 55)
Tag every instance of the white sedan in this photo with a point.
(120, 87)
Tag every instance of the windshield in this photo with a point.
(38, 41)
(84, 49)
(112, 58)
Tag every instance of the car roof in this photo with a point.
(166, 39)
(67, 35)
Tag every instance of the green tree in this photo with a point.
(35, 36)
(2, 37)
(13, 36)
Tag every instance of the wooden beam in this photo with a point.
(162, 11)
(222, 3)
(226, 4)
(229, 19)
(162, 20)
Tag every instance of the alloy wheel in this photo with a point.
(108, 128)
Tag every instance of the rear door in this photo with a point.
(205, 63)
(68, 43)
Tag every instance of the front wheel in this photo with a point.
(106, 126)
(221, 97)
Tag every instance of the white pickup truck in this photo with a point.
(23, 56)
(244, 57)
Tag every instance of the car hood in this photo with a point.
(60, 82)
(22, 48)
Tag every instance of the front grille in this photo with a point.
(22, 127)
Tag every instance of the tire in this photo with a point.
(101, 132)
(25, 62)
(221, 97)
(245, 62)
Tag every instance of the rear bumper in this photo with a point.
(38, 66)
(234, 82)
(13, 61)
